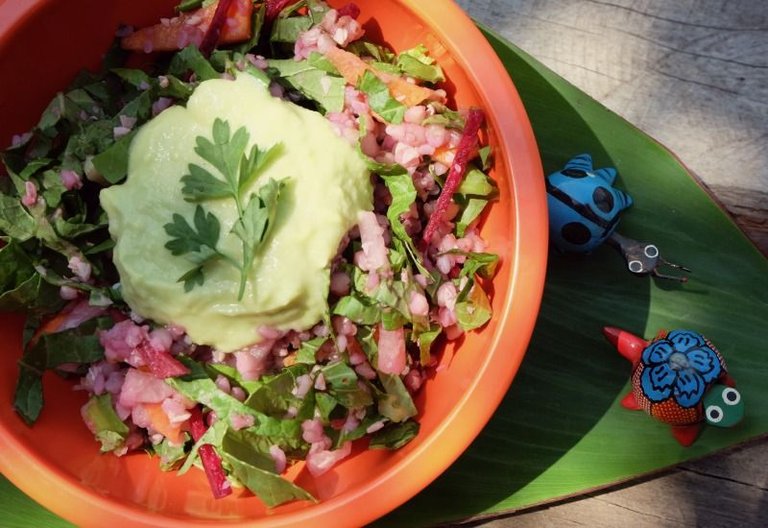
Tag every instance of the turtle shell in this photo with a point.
(674, 373)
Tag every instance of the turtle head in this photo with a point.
(723, 406)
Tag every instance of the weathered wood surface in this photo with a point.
(691, 73)
(694, 75)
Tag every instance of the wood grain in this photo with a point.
(691, 73)
(694, 75)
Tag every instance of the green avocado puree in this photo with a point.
(327, 185)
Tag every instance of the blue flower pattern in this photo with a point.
(682, 365)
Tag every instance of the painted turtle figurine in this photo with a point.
(680, 379)
(584, 210)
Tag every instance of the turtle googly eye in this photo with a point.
(731, 396)
(714, 414)
(635, 266)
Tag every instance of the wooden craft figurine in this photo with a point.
(680, 379)
(584, 209)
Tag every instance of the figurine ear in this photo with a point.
(608, 174)
(581, 162)
(624, 200)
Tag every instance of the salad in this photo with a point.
(245, 239)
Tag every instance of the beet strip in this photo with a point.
(275, 6)
(351, 9)
(464, 153)
(211, 37)
(220, 486)
(160, 362)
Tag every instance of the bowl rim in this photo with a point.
(526, 273)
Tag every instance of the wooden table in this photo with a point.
(694, 75)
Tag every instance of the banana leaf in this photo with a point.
(560, 431)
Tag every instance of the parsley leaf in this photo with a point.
(201, 185)
(226, 152)
(252, 165)
(254, 223)
(188, 239)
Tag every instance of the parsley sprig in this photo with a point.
(199, 241)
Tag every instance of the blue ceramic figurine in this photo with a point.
(584, 209)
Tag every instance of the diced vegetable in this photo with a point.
(352, 68)
(274, 7)
(220, 486)
(191, 27)
(162, 424)
(466, 149)
(160, 362)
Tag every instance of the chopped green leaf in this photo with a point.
(314, 83)
(15, 221)
(417, 64)
(321, 62)
(379, 98)
(133, 76)
(475, 311)
(109, 429)
(394, 436)
(189, 5)
(271, 488)
(112, 163)
(363, 48)
(396, 403)
(476, 183)
(190, 58)
(275, 393)
(483, 264)
(78, 345)
(471, 209)
(325, 405)
(425, 340)
(19, 281)
(308, 349)
(343, 386)
(171, 455)
(485, 154)
(287, 29)
(400, 186)
(357, 309)
(444, 116)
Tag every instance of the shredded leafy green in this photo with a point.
(314, 82)
(416, 63)
(380, 100)
(78, 346)
(396, 403)
(108, 428)
(394, 436)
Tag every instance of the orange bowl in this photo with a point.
(43, 43)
